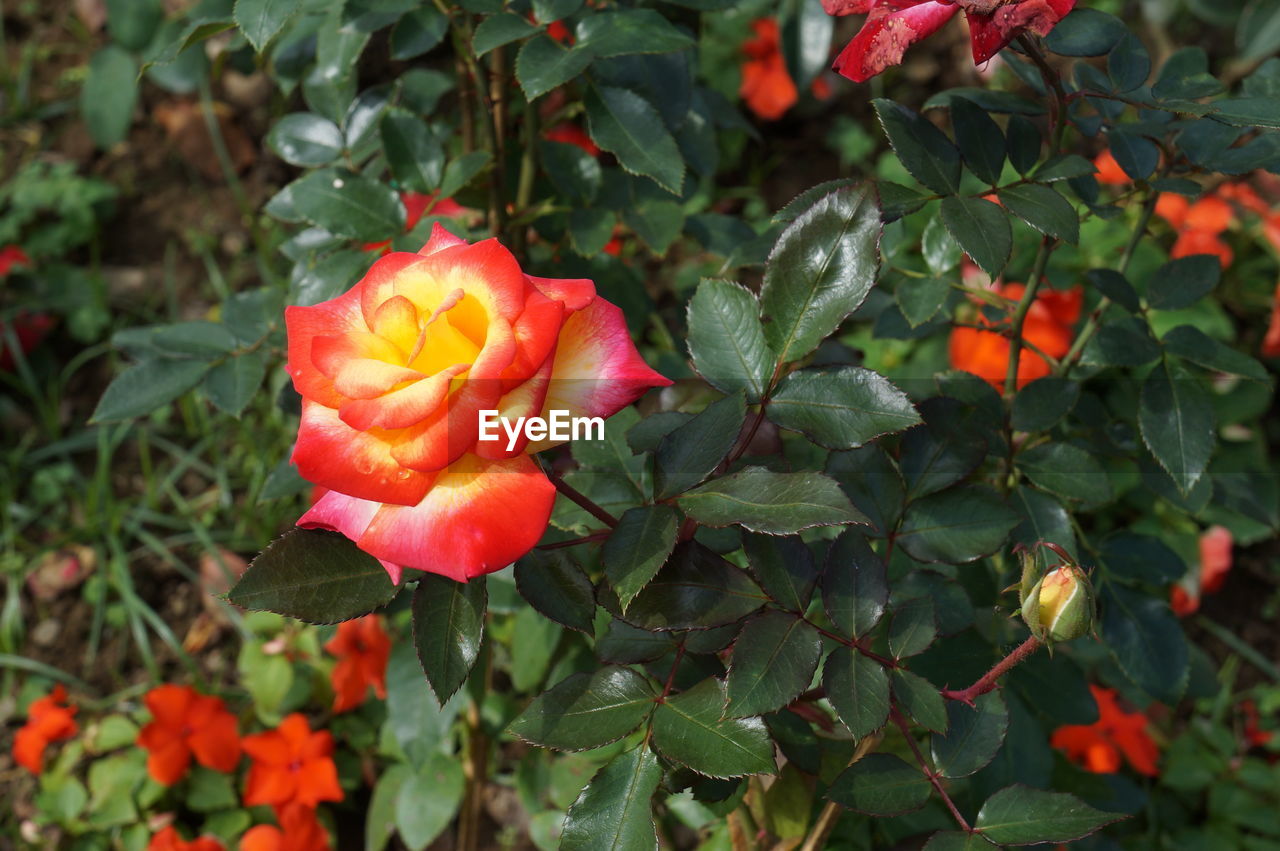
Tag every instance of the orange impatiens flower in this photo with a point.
(1199, 225)
(170, 840)
(767, 88)
(1098, 747)
(291, 764)
(1047, 329)
(1215, 564)
(49, 720)
(299, 830)
(186, 723)
(362, 648)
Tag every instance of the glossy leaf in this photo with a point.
(629, 127)
(956, 526)
(587, 710)
(774, 503)
(784, 567)
(1182, 282)
(1042, 403)
(1020, 815)
(145, 386)
(544, 64)
(920, 699)
(980, 140)
(696, 589)
(414, 153)
(637, 547)
(553, 583)
(315, 576)
(306, 139)
(614, 810)
(773, 661)
(982, 229)
(628, 31)
(1191, 344)
(497, 30)
(689, 729)
(820, 270)
(348, 205)
(1176, 420)
(691, 452)
(841, 408)
(974, 735)
(869, 477)
(922, 148)
(1066, 470)
(448, 628)
(858, 688)
(913, 628)
(1146, 641)
(726, 339)
(261, 20)
(855, 586)
(1044, 209)
(881, 784)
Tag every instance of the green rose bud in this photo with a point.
(1060, 606)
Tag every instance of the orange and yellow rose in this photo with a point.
(394, 374)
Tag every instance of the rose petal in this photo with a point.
(334, 455)
(892, 27)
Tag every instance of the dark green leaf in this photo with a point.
(982, 229)
(940, 250)
(1141, 558)
(956, 526)
(1044, 209)
(774, 503)
(546, 11)
(1190, 343)
(417, 32)
(1248, 111)
(637, 547)
(696, 589)
(688, 454)
(656, 221)
(1146, 640)
(1085, 32)
(305, 139)
(1020, 815)
(318, 577)
(689, 729)
(1136, 155)
(544, 64)
(974, 735)
(920, 699)
(1024, 144)
(858, 688)
(627, 31)
(980, 140)
(1116, 287)
(1176, 420)
(627, 126)
(773, 661)
(448, 627)
(821, 269)
(873, 484)
(260, 20)
(1063, 167)
(841, 408)
(1184, 281)
(924, 150)
(1121, 342)
(1185, 75)
(587, 710)
(956, 840)
(232, 384)
(108, 95)
(349, 205)
(784, 567)
(614, 810)
(913, 628)
(726, 339)
(414, 153)
(145, 386)
(1066, 470)
(458, 173)
(497, 30)
(881, 784)
(920, 299)
(1042, 403)
(575, 172)
(555, 585)
(1129, 64)
(855, 587)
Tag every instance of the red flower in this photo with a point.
(766, 87)
(362, 648)
(1182, 602)
(557, 31)
(1097, 747)
(10, 256)
(299, 830)
(291, 764)
(1109, 171)
(170, 840)
(49, 719)
(1215, 564)
(185, 722)
(394, 375)
(1047, 328)
(1271, 342)
(572, 134)
(30, 329)
(1254, 735)
(894, 25)
(415, 207)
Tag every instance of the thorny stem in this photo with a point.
(573, 542)
(988, 681)
(1091, 325)
(582, 501)
(929, 772)
(1052, 80)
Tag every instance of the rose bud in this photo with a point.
(1060, 606)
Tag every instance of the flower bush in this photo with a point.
(917, 500)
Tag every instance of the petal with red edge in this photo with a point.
(379, 283)
(847, 7)
(597, 370)
(526, 400)
(574, 293)
(334, 318)
(890, 29)
(479, 517)
(332, 454)
(401, 408)
(440, 239)
(486, 271)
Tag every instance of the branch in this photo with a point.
(933, 775)
(988, 681)
(582, 501)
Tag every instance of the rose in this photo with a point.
(394, 374)
(894, 25)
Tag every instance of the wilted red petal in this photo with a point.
(892, 27)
